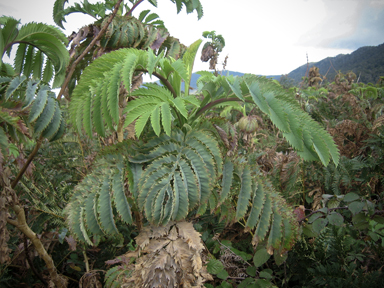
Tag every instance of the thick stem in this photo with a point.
(85, 52)
(22, 225)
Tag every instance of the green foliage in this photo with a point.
(217, 41)
(103, 111)
(308, 138)
(26, 105)
(335, 259)
(99, 10)
(36, 41)
(94, 215)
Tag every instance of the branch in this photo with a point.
(133, 8)
(219, 101)
(85, 52)
(22, 225)
(29, 160)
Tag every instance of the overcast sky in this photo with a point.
(262, 37)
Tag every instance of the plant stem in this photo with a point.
(85, 52)
(133, 8)
(22, 225)
(216, 102)
(29, 160)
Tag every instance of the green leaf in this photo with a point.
(222, 274)
(15, 83)
(91, 215)
(119, 197)
(335, 219)
(264, 223)
(319, 224)
(257, 97)
(59, 132)
(279, 258)
(356, 207)
(251, 271)
(39, 103)
(30, 92)
(166, 118)
(257, 205)
(351, 197)
(315, 216)
(236, 88)
(155, 120)
(105, 209)
(46, 116)
(113, 92)
(226, 180)
(246, 282)
(261, 256)
(214, 266)
(276, 112)
(265, 274)
(245, 193)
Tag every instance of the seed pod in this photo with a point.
(248, 124)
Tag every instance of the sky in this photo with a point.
(270, 37)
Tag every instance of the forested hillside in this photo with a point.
(366, 62)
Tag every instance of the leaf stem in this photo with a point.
(218, 101)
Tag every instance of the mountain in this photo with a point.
(196, 76)
(366, 62)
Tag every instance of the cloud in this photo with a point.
(369, 31)
(347, 24)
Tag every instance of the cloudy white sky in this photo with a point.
(270, 37)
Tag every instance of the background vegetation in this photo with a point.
(261, 184)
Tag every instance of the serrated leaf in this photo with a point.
(214, 266)
(166, 118)
(39, 103)
(236, 88)
(46, 116)
(226, 180)
(223, 274)
(245, 193)
(155, 120)
(30, 92)
(13, 85)
(105, 208)
(59, 132)
(120, 200)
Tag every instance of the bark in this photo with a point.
(22, 225)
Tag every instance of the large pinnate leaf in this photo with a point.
(39, 102)
(37, 42)
(311, 141)
(102, 198)
(95, 100)
(180, 175)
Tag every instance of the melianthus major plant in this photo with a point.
(177, 169)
